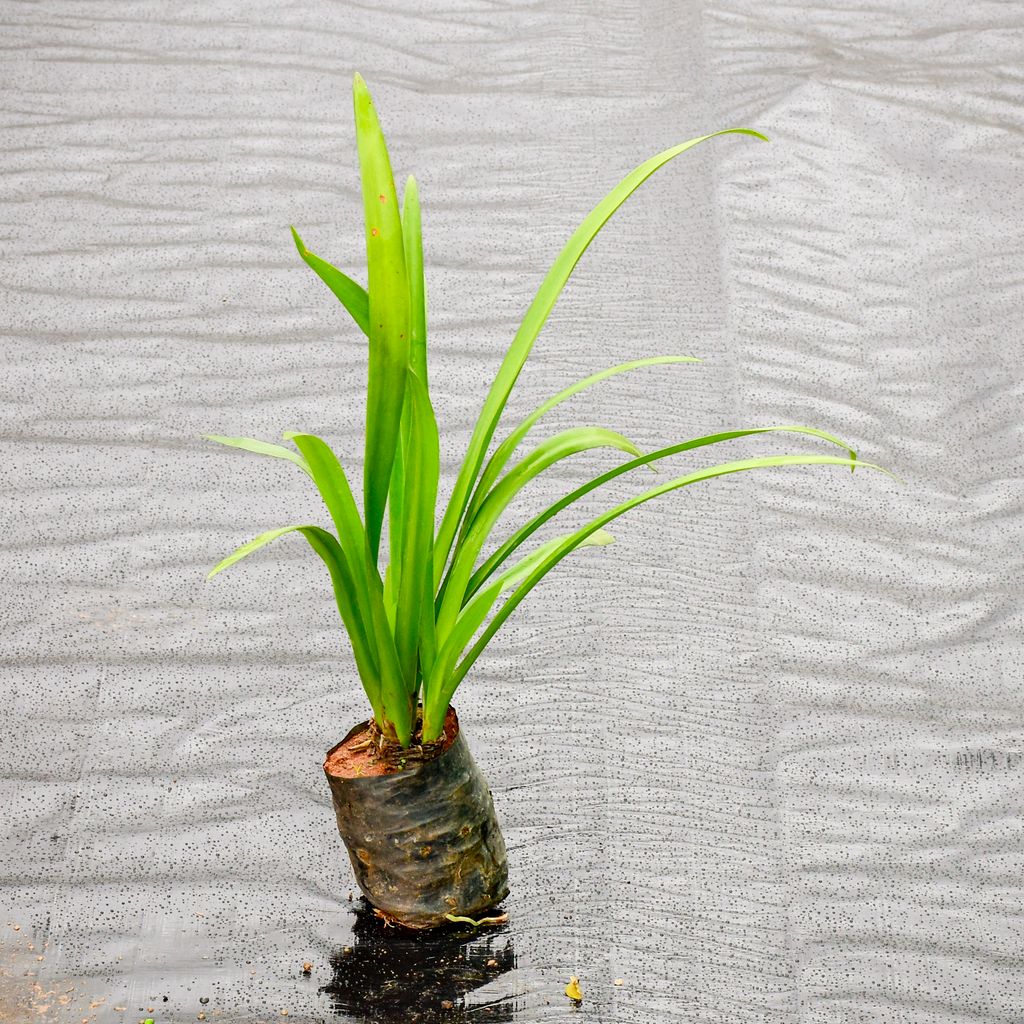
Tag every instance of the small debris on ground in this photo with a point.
(573, 990)
(347, 950)
(203, 1000)
(307, 968)
(200, 1016)
(497, 919)
(492, 963)
(446, 1004)
(618, 981)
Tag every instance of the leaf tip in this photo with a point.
(361, 94)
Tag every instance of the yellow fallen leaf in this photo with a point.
(573, 990)
(498, 919)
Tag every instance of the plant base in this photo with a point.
(419, 826)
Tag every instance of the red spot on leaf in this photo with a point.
(375, 232)
(383, 198)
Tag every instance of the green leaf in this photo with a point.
(534, 320)
(330, 551)
(525, 531)
(350, 294)
(248, 548)
(413, 245)
(437, 694)
(600, 521)
(250, 444)
(332, 483)
(568, 442)
(389, 312)
(412, 231)
(504, 451)
(396, 503)
(416, 576)
(343, 576)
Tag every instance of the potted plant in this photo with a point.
(412, 807)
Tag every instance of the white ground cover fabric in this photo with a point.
(763, 759)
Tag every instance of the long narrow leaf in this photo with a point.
(350, 294)
(334, 488)
(568, 442)
(249, 547)
(471, 618)
(412, 241)
(389, 312)
(534, 320)
(330, 551)
(528, 529)
(412, 231)
(503, 452)
(332, 483)
(250, 444)
(603, 520)
(396, 504)
(416, 577)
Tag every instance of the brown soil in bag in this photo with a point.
(362, 753)
(419, 825)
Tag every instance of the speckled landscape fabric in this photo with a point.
(762, 759)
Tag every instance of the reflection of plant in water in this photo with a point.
(394, 976)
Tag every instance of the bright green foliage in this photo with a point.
(412, 630)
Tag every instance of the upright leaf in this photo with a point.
(412, 229)
(332, 483)
(389, 312)
(413, 245)
(416, 577)
(536, 315)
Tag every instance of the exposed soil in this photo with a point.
(365, 752)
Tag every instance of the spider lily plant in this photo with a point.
(417, 629)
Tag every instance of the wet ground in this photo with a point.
(761, 760)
